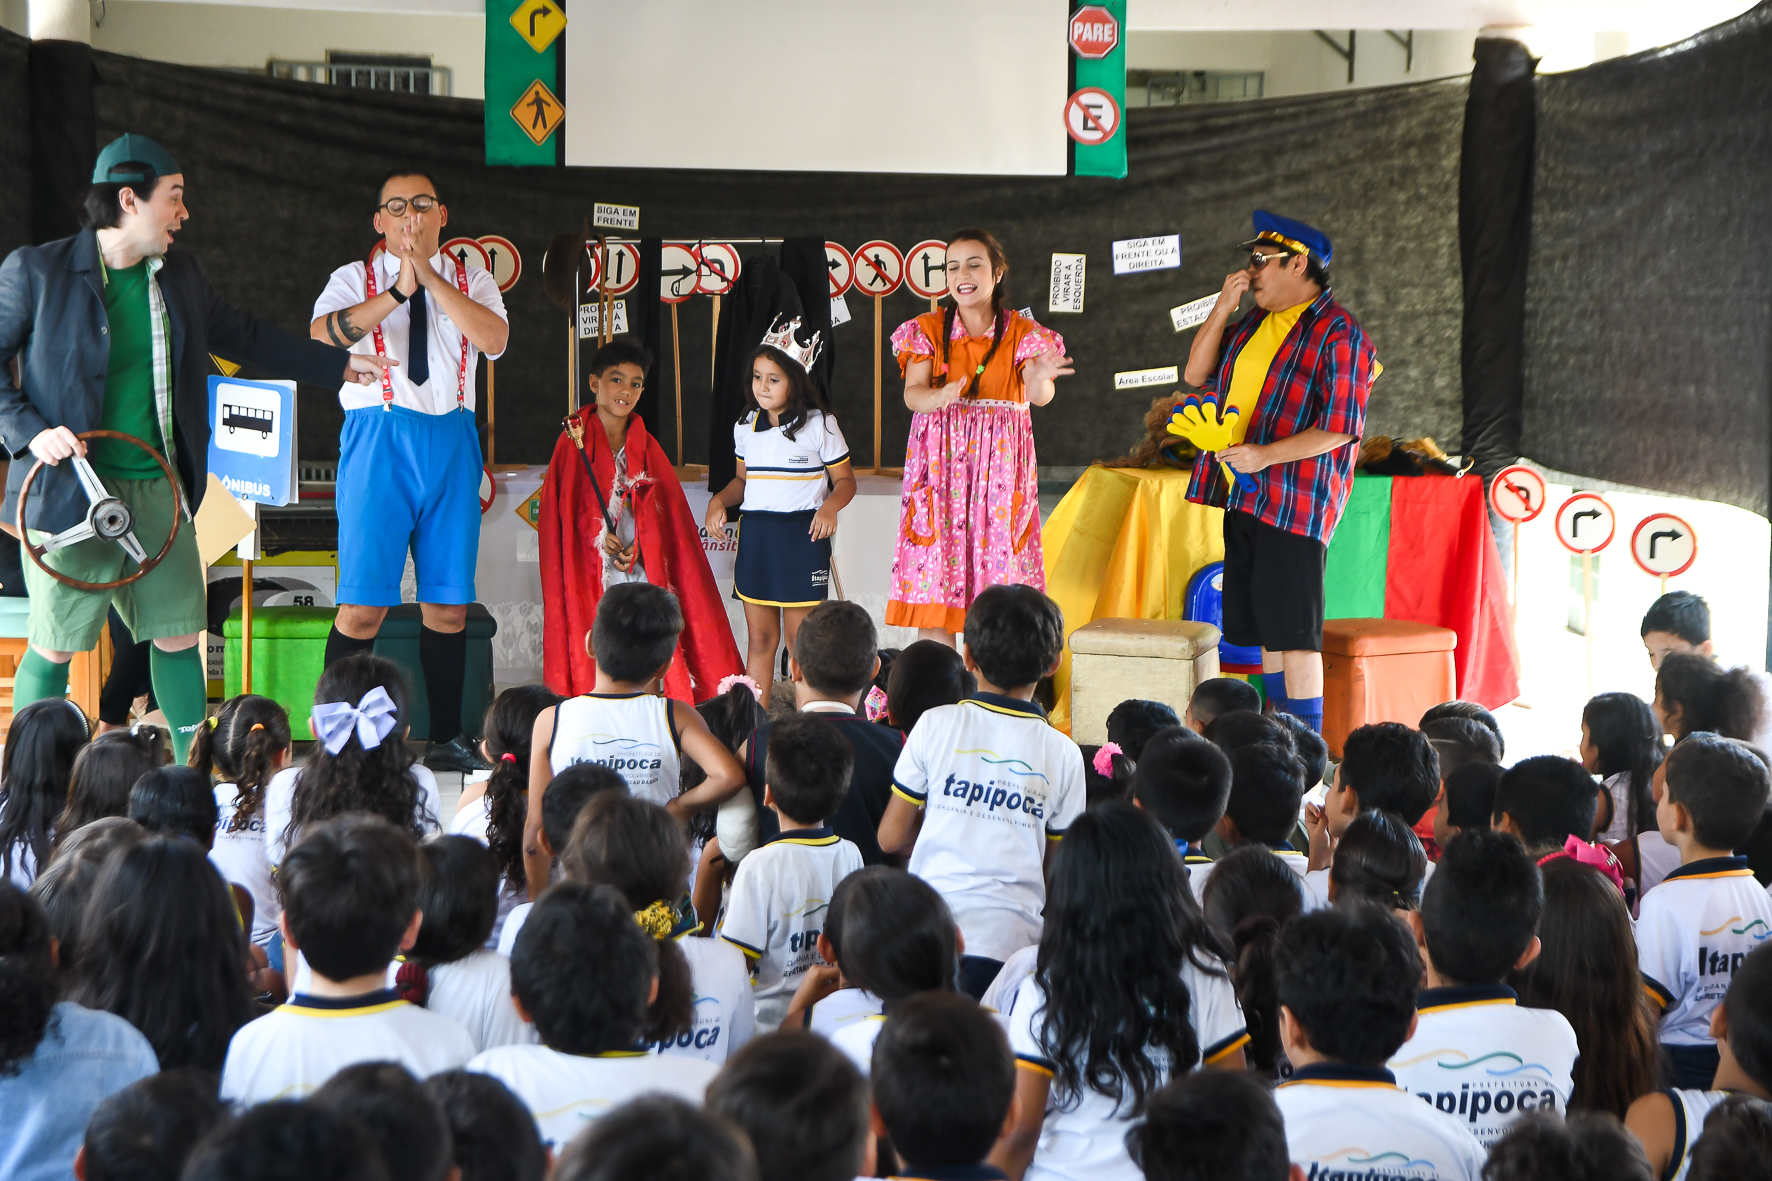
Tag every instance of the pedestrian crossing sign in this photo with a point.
(538, 112)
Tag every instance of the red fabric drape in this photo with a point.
(668, 543)
(1443, 568)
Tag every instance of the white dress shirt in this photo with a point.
(347, 288)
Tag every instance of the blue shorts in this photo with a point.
(407, 481)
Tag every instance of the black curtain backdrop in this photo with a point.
(1494, 225)
(15, 143)
(1648, 332)
(282, 177)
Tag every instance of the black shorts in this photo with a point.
(1273, 586)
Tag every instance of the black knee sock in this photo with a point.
(444, 656)
(339, 646)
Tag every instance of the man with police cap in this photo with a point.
(112, 330)
(1298, 368)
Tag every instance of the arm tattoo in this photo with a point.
(343, 333)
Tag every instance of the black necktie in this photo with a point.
(418, 361)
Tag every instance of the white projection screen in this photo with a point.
(942, 86)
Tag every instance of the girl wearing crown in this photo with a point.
(970, 513)
(793, 478)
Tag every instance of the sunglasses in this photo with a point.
(1257, 260)
(423, 203)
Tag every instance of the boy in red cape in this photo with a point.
(632, 524)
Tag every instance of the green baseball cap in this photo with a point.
(114, 162)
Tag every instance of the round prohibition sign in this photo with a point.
(1517, 493)
(1664, 545)
(842, 267)
(1092, 116)
(502, 260)
(719, 268)
(879, 268)
(926, 268)
(1582, 519)
(624, 267)
(468, 250)
(678, 266)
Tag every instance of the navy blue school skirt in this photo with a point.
(778, 562)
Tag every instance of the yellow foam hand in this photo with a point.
(1201, 422)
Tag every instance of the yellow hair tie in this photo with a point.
(657, 920)
(256, 726)
(212, 721)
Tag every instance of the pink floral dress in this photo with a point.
(969, 516)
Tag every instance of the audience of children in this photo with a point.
(1679, 623)
(1413, 996)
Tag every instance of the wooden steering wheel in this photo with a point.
(107, 518)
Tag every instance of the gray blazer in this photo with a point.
(52, 319)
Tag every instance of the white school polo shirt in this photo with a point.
(841, 1009)
(568, 1092)
(1482, 1058)
(996, 783)
(347, 288)
(476, 991)
(630, 733)
(1084, 1137)
(1351, 1123)
(289, 1052)
(725, 1011)
(1200, 868)
(239, 856)
(777, 907)
(280, 797)
(1693, 931)
(783, 475)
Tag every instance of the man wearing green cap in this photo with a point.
(110, 331)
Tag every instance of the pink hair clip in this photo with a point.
(1594, 857)
(875, 704)
(727, 682)
(1104, 759)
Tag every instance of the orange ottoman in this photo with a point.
(1383, 670)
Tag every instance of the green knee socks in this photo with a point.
(181, 689)
(38, 677)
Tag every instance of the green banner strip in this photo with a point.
(1109, 74)
(1356, 566)
(512, 66)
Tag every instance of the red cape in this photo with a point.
(668, 542)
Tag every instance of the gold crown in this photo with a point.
(781, 336)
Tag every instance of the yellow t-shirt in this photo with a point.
(1249, 373)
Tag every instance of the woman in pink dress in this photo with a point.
(970, 513)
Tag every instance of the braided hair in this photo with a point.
(510, 724)
(999, 296)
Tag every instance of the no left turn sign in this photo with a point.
(841, 266)
(1092, 116)
(1517, 493)
(1664, 545)
(879, 268)
(1586, 523)
(926, 269)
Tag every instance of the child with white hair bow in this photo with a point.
(360, 762)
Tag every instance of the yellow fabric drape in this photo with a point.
(1122, 544)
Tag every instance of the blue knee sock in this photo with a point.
(1274, 685)
(1310, 709)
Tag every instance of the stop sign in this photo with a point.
(1094, 31)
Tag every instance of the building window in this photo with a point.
(405, 72)
(1179, 88)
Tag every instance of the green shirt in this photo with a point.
(129, 383)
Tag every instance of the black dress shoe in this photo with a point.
(455, 755)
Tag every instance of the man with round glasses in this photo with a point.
(409, 462)
(1298, 369)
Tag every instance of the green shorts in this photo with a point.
(170, 601)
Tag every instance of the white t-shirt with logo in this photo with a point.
(1201, 867)
(783, 475)
(1483, 1059)
(842, 1008)
(289, 1052)
(239, 856)
(280, 798)
(776, 910)
(568, 1092)
(1354, 1122)
(630, 733)
(476, 991)
(996, 783)
(725, 1010)
(1693, 931)
(1084, 1136)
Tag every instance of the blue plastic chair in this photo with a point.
(1203, 602)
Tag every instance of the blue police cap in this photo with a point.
(1293, 235)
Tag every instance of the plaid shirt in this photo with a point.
(1320, 377)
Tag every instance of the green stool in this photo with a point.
(288, 654)
(398, 642)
